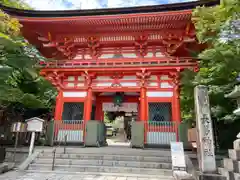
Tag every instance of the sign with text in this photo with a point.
(18, 127)
(126, 107)
(205, 131)
(178, 157)
(35, 124)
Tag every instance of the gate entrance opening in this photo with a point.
(118, 127)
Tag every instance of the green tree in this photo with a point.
(19, 80)
(217, 27)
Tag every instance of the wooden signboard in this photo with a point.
(35, 124)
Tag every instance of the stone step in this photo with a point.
(225, 173)
(100, 169)
(114, 163)
(231, 165)
(229, 174)
(234, 154)
(119, 151)
(236, 176)
(107, 157)
(93, 175)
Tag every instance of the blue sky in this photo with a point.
(93, 4)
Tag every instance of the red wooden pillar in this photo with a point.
(177, 105)
(58, 112)
(89, 98)
(143, 111)
(139, 110)
(177, 110)
(98, 114)
(143, 105)
(101, 112)
(87, 110)
(143, 77)
(88, 101)
(97, 110)
(59, 106)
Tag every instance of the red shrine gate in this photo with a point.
(136, 51)
(143, 93)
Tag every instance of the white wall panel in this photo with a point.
(74, 94)
(104, 84)
(159, 94)
(128, 84)
(165, 85)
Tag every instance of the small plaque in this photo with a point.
(35, 124)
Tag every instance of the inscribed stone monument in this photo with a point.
(206, 152)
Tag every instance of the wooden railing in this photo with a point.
(129, 62)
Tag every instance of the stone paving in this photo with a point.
(58, 176)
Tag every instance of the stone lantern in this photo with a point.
(235, 94)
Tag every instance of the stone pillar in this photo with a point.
(206, 151)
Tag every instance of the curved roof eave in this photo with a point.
(110, 11)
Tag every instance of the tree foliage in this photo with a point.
(19, 4)
(218, 28)
(19, 80)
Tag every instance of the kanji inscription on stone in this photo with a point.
(206, 152)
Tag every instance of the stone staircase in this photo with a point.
(231, 165)
(20, 156)
(115, 160)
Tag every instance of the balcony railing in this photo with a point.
(111, 63)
